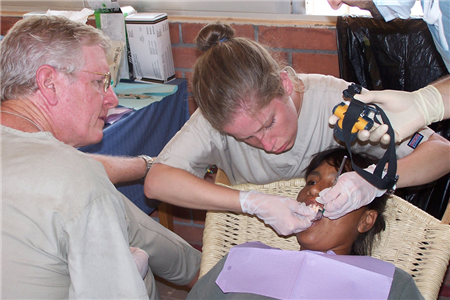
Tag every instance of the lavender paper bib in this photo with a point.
(259, 269)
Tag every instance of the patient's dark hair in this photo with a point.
(334, 156)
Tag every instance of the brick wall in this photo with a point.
(307, 50)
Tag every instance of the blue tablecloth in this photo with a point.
(145, 131)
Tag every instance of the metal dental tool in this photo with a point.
(319, 214)
(341, 168)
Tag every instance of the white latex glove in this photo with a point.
(407, 112)
(350, 193)
(284, 214)
(141, 260)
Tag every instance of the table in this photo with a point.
(145, 131)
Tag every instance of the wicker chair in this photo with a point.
(413, 240)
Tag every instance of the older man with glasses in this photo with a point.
(66, 230)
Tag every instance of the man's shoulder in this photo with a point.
(53, 167)
(67, 163)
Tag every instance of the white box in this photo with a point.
(151, 51)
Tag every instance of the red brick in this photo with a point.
(189, 31)
(280, 56)
(447, 277)
(191, 234)
(198, 247)
(154, 214)
(7, 23)
(198, 216)
(192, 105)
(445, 291)
(184, 57)
(178, 74)
(298, 38)
(174, 33)
(91, 22)
(316, 63)
(181, 214)
(188, 76)
(247, 31)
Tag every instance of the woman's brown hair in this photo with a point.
(233, 73)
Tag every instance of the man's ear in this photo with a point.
(287, 83)
(367, 220)
(46, 78)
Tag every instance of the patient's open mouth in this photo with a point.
(319, 213)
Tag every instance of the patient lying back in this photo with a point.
(352, 234)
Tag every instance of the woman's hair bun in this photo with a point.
(212, 34)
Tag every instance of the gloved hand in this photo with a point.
(350, 193)
(284, 214)
(407, 112)
(141, 260)
(376, 133)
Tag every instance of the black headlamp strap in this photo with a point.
(354, 111)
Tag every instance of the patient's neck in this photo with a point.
(335, 251)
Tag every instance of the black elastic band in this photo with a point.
(354, 111)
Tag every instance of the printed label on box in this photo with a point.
(151, 50)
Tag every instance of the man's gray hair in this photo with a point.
(43, 40)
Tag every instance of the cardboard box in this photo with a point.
(151, 51)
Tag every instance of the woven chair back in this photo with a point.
(413, 240)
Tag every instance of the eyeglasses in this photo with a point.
(106, 82)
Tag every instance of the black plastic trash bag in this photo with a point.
(397, 55)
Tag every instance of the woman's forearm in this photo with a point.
(181, 188)
(122, 169)
(443, 86)
(430, 161)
